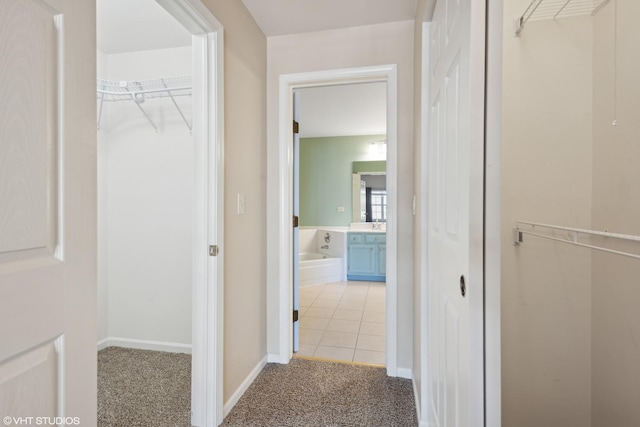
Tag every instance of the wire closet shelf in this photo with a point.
(555, 9)
(571, 235)
(143, 90)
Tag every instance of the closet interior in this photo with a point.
(145, 183)
(570, 213)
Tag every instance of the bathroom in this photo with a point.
(342, 175)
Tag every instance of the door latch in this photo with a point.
(213, 250)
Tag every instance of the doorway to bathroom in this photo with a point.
(340, 197)
(280, 325)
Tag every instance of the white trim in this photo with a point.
(416, 399)
(404, 373)
(493, 393)
(280, 330)
(194, 16)
(425, 396)
(273, 358)
(62, 379)
(208, 275)
(421, 423)
(60, 244)
(169, 347)
(235, 397)
(103, 343)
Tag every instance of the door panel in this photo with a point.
(452, 127)
(382, 259)
(32, 275)
(362, 259)
(456, 97)
(29, 150)
(47, 209)
(37, 369)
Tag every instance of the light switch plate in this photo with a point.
(340, 209)
(241, 204)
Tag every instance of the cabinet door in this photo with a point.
(382, 260)
(362, 259)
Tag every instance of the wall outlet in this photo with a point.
(340, 209)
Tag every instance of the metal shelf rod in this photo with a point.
(135, 92)
(584, 245)
(555, 9)
(583, 231)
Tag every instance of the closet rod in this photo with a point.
(518, 233)
(554, 9)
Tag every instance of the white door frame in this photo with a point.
(283, 327)
(492, 170)
(208, 135)
(425, 398)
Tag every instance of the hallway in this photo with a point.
(314, 393)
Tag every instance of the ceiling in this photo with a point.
(134, 25)
(279, 17)
(357, 109)
(360, 109)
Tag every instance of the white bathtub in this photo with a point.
(318, 268)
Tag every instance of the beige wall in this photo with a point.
(616, 208)
(347, 48)
(546, 177)
(245, 169)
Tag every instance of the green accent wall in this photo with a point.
(326, 168)
(364, 167)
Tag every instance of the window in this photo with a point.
(379, 205)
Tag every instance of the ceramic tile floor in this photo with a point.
(343, 321)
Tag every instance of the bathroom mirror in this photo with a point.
(369, 197)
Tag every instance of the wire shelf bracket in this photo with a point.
(555, 9)
(573, 237)
(140, 91)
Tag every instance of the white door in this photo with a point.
(363, 201)
(455, 201)
(47, 212)
(296, 214)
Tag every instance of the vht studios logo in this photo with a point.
(41, 421)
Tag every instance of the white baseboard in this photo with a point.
(275, 358)
(419, 409)
(244, 386)
(103, 344)
(404, 373)
(168, 347)
(416, 396)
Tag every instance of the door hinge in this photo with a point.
(295, 221)
(213, 250)
(295, 315)
(296, 127)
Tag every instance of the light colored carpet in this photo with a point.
(141, 388)
(318, 393)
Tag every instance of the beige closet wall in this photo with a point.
(245, 71)
(616, 208)
(546, 177)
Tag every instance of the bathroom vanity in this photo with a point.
(367, 256)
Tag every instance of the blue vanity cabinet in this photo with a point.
(366, 256)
